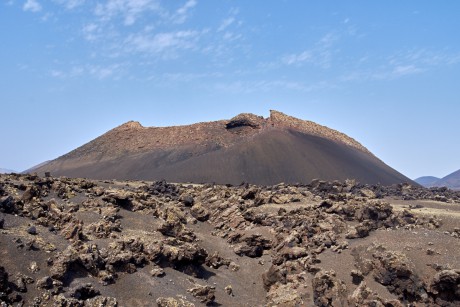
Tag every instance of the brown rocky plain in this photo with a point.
(81, 242)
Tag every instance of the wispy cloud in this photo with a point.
(32, 6)
(248, 87)
(91, 31)
(181, 15)
(226, 23)
(406, 70)
(302, 57)
(171, 79)
(129, 10)
(103, 72)
(321, 54)
(381, 73)
(425, 57)
(70, 4)
(99, 72)
(402, 64)
(162, 42)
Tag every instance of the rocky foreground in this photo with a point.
(77, 242)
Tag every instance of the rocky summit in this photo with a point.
(246, 148)
(81, 242)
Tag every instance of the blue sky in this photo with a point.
(384, 72)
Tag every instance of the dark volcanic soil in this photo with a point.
(78, 242)
(255, 150)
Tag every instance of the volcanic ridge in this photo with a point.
(247, 148)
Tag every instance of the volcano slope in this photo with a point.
(80, 242)
(247, 148)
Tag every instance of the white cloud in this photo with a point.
(425, 57)
(91, 31)
(57, 73)
(130, 10)
(173, 78)
(229, 36)
(102, 72)
(226, 23)
(270, 85)
(32, 6)
(181, 14)
(160, 42)
(320, 54)
(70, 4)
(297, 58)
(97, 71)
(406, 70)
(388, 72)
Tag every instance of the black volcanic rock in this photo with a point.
(245, 120)
(247, 148)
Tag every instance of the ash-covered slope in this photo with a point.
(246, 148)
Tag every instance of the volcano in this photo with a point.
(247, 148)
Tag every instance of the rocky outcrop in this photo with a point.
(271, 244)
(245, 120)
(328, 290)
(279, 119)
(445, 287)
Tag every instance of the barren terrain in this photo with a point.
(80, 242)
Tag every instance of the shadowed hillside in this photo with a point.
(451, 181)
(427, 181)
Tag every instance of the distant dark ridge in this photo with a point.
(427, 181)
(451, 181)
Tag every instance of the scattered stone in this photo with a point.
(173, 302)
(32, 230)
(33, 267)
(20, 284)
(204, 293)
(328, 290)
(157, 272)
(357, 277)
(45, 283)
(446, 287)
(199, 212)
(229, 290)
(215, 261)
(274, 275)
(234, 267)
(84, 292)
(250, 251)
(188, 201)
